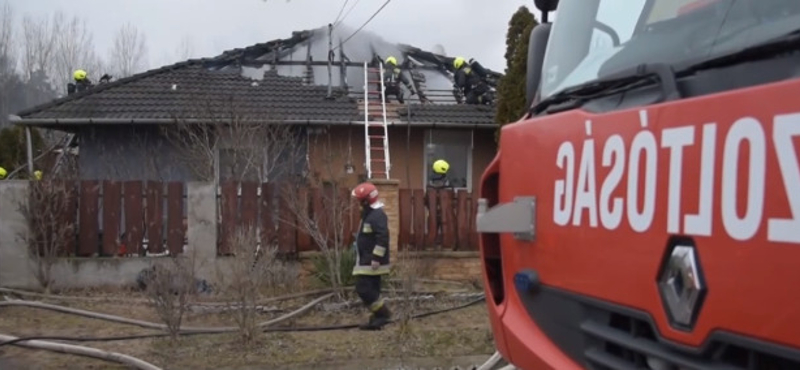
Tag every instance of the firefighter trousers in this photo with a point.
(368, 288)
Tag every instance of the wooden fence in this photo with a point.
(138, 218)
(112, 218)
(287, 216)
(437, 219)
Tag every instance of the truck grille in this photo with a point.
(628, 343)
(604, 336)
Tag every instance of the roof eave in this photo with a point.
(56, 123)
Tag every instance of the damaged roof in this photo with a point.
(206, 88)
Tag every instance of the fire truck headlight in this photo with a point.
(681, 284)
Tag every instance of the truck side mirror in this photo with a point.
(546, 6)
(537, 45)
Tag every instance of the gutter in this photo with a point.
(65, 122)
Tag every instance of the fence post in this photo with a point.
(389, 191)
(201, 219)
(15, 264)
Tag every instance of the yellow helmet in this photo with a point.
(79, 75)
(458, 62)
(440, 167)
(391, 60)
(37, 174)
(3, 173)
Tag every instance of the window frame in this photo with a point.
(470, 146)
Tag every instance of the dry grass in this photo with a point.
(458, 333)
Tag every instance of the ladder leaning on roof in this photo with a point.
(376, 133)
(64, 148)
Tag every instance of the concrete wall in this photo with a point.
(16, 267)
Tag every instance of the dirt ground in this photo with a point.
(464, 332)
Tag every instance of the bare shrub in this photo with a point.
(169, 288)
(327, 230)
(409, 267)
(50, 228)
(252, 272)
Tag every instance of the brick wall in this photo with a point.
(389, 191)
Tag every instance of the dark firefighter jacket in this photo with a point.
(438, 181)
(392, 75)
(466, 79)
(372, 242)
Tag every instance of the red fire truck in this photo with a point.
(645, 212)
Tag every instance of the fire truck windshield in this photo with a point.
(594, 38)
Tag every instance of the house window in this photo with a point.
(454, 146)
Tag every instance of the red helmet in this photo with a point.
(365, 191)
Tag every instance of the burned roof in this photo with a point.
(266, 80)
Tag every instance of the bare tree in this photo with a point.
(8, 60)
(74, 49)
(129, 53)
(217, 139)
(329, 229)
(46, 211)
(39, 46)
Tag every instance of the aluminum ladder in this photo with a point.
(376, 133)
(67, 141)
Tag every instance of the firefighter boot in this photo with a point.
(378, 319)
(370, 325)
(382, 316)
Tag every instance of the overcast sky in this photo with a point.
(471, 28)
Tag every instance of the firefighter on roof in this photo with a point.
(372, 255)
(82, 82)
(392, 76)
(470, 80)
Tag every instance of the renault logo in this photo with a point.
(681, 285)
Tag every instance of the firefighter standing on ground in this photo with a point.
(372, 255)
(469, 81)
(439, 179)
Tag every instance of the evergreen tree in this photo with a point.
(511, 87)
(14, 149)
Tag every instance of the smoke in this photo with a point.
(439, 49)
(359, 48)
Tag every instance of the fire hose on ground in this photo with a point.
(39, 342)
